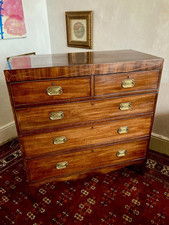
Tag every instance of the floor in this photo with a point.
(119, 197)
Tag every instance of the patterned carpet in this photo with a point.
(120, 197)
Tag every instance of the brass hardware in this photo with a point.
(125, 106)
(128, 83)
(121, 153)
(56, 115)
(59, 140)
(61, 165)
(123, 130)
(54, 90)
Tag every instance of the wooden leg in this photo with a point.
(140, 168)
(33, 192)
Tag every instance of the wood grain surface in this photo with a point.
(79, 64)
(92, 172)
(86, 160)
(37, 118)
(36, 92)
(90, 101)
(112, 83)
(84, 136)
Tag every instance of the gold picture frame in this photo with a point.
(79, 27)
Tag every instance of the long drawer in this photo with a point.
(85, 160)
(113, 84)
(77, 137)
(45, 117)
(50, 90)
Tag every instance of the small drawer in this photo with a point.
(85, 160)
(50, 90)
(46, 117)
(78, 137)
(113, 84)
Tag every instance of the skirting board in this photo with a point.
(7, 132)
(159, 143)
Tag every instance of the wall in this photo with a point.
(118, 24)
(38, 41)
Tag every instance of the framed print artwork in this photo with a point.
(79, 29)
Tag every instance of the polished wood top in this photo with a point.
(69, 59)
(34, 67)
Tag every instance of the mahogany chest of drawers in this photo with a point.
(80, 113)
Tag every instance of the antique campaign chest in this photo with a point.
(80, 113)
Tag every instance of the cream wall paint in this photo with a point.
(38, 41)
(117, 24)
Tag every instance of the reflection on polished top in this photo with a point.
(40, 67)
(78, 58)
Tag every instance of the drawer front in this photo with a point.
(46, 117)
(125, 82)
(50, 91)
(86, 160)
(108, 132)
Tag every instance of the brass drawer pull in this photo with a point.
(61, 165)
(123, 130)
(121, 153)
(125, 106)
(128, 83)
(56, 115)
(59, 140)
(54, 90)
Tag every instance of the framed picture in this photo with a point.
(79, 29)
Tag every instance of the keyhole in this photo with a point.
(92, 103)
(92, 150)
(52, 83)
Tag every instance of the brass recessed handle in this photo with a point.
(128, 83)
(61, 165)
(121, 153)
(125, 106)
(58, 115)
(54, 90)
(59, 140)
(123, 130)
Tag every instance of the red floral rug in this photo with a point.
(120, 197)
